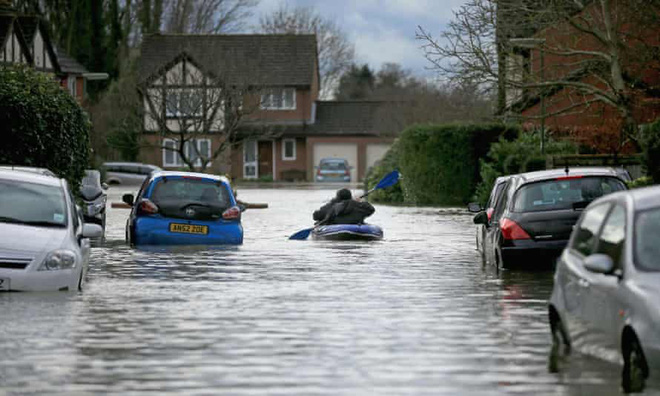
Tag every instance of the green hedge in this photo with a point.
(522, 154)
(439, 163)
(387, 164)
(42, 125)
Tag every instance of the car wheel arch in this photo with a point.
(557, 324)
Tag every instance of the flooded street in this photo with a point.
(413, 314)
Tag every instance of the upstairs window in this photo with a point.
(184, 103)
(279, 99)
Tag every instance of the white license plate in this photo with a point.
(4, 284)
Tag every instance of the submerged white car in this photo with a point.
(606, 296)
(44, 243)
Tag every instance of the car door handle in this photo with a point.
(583, 283)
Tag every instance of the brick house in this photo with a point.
(284, 129)
(563, 53)
(24, 40)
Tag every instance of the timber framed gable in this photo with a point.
(182, 91)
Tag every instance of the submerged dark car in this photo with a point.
(533, 220)
(495, 195)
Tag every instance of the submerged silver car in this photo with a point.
(606, 296)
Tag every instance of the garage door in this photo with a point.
(337, 150)
(375, 152)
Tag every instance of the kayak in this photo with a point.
(348, 232)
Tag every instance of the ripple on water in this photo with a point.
(413, 314)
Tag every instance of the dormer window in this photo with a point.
(279, 99)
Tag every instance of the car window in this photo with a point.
(647, 235)
(32, 203)
(501, 204)
(494, 196)
(564, 193)
(333, 165)
(186, 190)
(587, 230)
(612, 237)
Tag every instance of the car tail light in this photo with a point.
(347, 172)
(147, 207)
(318, 172)
(489, 212)
(232, 213)
(511, 230)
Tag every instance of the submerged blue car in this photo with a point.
(184, 208)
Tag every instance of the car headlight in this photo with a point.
(59, 260)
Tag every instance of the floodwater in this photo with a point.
(413, 314)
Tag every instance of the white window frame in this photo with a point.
(72, 85)
(178, 91)
(178, 162)
(255, 145)
(267, 99)
(294, 156)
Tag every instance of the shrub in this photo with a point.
(440, 162)
(520, 155)
(387, 164)
(640, 182)
(651, 150)
(42, 125)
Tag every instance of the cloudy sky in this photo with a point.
(381, 30)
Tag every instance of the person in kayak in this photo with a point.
(343, 209)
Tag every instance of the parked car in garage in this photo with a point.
(94, 198)
(532, 221)
(606, 295)
(333, 170)
(474, 207)
(127, 172)
(184, 208)
(44, 243)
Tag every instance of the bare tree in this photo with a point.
(194, 110)
(206, 16)
(600, 51)
(335, 52)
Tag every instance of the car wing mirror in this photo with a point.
(128, 199)
(599, 263)
(481, 218)
(91, 230)
(474, 207)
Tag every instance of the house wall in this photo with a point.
(362, 144)
(580, 114)
(301, 114)
(151, 152)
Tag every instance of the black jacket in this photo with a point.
(348, 211)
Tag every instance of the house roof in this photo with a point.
(68, 65)
(264, 59)
(349, 118)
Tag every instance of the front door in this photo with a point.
(265, 158)
(250, 160)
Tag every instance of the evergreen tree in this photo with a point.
(357, 83)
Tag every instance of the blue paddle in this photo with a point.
(389, 180)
